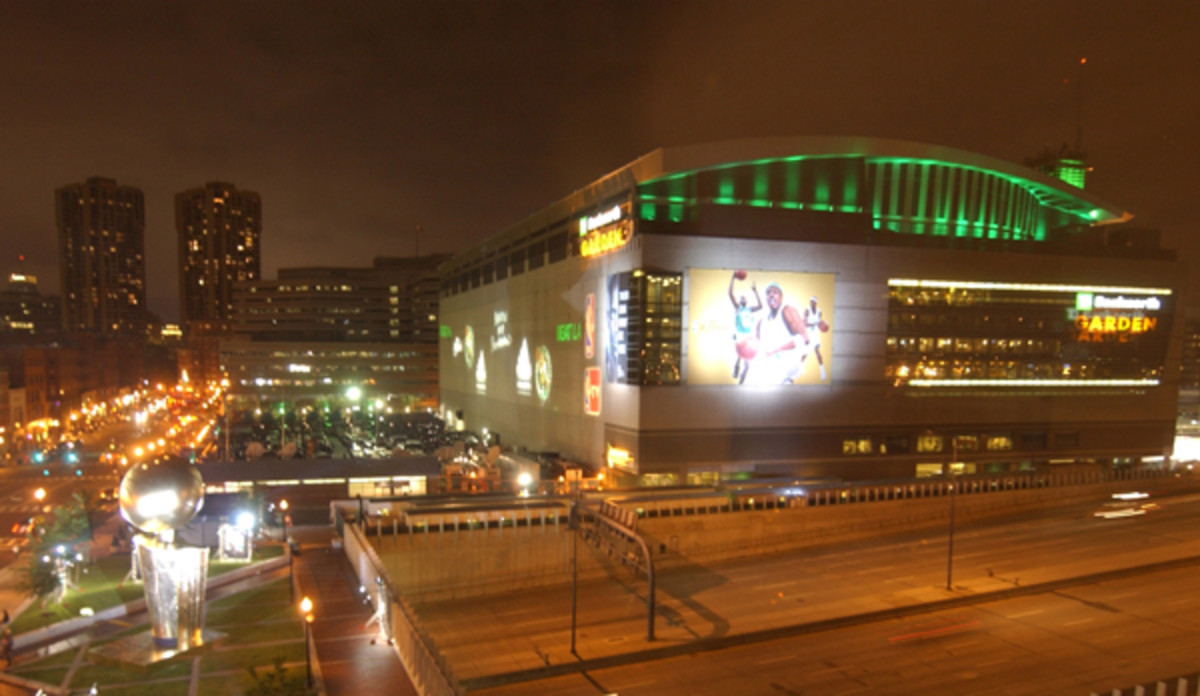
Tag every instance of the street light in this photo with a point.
(306, 606)
(39, 495)
(953, 494)
(283, 505)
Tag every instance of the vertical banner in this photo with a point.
(589, 326)
(616, 356)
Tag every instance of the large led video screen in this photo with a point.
(751, 327)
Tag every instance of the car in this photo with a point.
(1119, 509)
(22, 528)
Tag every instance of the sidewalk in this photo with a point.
(348, 661)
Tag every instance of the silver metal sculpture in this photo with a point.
(158, 498)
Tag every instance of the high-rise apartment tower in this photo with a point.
(102, 256)
(219, 229)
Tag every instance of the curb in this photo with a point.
(32, 686)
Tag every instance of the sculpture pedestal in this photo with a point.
(174, 580)
(141, 651)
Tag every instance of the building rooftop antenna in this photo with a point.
(1079, 106)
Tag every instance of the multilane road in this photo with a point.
(59, 479)
(1080, 636)
(1090, 638)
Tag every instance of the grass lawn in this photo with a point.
(103, 586)
(254, 620)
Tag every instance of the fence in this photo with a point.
(1183, 686)
(426, 666)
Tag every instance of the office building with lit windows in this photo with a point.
(102, 256)
(313, 333)
(848, 307)
(219, 229)
(26, 312)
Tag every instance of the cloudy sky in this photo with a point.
(357, 122)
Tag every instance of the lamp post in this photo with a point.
(953, 494)
(225, 412)
(306, 606)
(575, 520)
(283, 505)
(574, 569)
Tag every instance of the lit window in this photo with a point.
(929, 443)
(999, 442)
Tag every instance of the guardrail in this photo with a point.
(382, 520)
(1177, 686)
(426, 666)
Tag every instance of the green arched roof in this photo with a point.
(666, 164)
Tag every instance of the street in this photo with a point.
(723, 615)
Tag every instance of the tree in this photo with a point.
(61, 533)
(89, 503)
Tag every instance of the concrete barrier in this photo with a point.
(495, 559)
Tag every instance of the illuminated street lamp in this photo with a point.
(306, 607)
(39, 495)
(953, 494)
(283, 506)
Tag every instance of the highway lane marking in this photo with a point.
(1032, 612)
(874, 570)
(1127, 594)
(1080, 621)
(965, 644)
(1184, 600)
(992, 662)
(776, 659)
(935, 631)
(637, 684)
(774, 585)
(514, 612)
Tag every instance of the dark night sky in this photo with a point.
(359, 121)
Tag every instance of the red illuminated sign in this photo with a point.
(591, 393)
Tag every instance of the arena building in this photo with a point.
(846, 307)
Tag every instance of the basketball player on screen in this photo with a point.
(814, 325)
(782, 339)
(743, 326)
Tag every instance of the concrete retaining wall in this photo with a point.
(436, 566)
(712, 537)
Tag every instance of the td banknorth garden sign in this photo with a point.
(1107, 318)
(606, 231)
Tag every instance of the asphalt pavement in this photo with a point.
(525, 637)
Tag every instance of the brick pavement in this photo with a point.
(348, 661)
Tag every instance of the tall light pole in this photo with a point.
(953, 493)
(576, 520)
(306, 606)
(574, 568)
(225, 408)
(283, 505)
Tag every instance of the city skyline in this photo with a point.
(359, 124)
